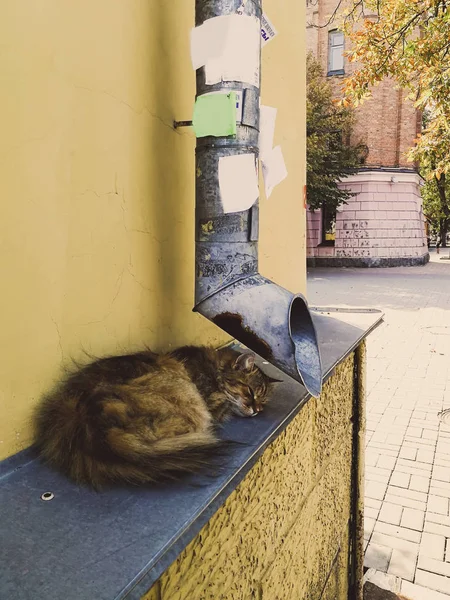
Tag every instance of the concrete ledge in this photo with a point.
(122, 540)
(366, 262)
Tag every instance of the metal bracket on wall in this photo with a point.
(177, 124)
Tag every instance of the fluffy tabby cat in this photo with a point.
(145, 417)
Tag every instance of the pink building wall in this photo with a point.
(382, 225)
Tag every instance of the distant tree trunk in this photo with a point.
(444, 223)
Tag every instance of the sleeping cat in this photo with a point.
(146, 417)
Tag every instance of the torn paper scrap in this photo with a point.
(274, 170)
(268, 31)
(238, 182)
(239, 60)
(232, 52)
(215, 114)
(208, 41)
(267, 117)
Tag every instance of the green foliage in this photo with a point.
(328, 127)
(435, 192)
(408, 40)
(436, 205)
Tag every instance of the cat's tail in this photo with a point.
(169, 458)
(135, 459)
(93, 454)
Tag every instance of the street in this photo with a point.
(407, 487)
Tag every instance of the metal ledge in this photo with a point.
(116, 544)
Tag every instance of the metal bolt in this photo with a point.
(47, 496)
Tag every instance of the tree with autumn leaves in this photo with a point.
(330, 156)
(408, 40)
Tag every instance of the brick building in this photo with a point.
(383, 224)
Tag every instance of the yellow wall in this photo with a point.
(97, 189)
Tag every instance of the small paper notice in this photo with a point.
(274, 170)
(207, 41)
(267, 119)
(268, 31)
(228, 47)
(238, 182)
(215, 114)
(239, 103)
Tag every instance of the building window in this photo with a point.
(335, 52)
(328, 226)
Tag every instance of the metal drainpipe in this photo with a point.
(229, 291)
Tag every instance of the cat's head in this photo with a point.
(247, 387)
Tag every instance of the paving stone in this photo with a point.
(393, 542)
(439, 519)
(407, 493)
(426, 456)
(377, 557)
(434, 566)
(437, 504)
(435, 582)
(413, 519)
(430, 434)
(396, 531)
(394, 439)
(420, 443)
(414, 432)
(390, 513)
(373, 475)
(409, 453)
(405, 502)
(403, 564)
(371, 458)
(371, 513)
(413, 591)
(381, 447)
(441, 474)
(372, 502)
(416, 464)
(418, 483)
(441, 461)
(432, 545)
(436, 528)
(412, 470)
(400, 479)
(438, 490)
(386, 462)
(378, 471)
(376, 490)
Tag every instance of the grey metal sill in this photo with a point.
(333, 73)
(114, 545)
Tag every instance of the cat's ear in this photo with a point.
(272, 380)
(244, 362)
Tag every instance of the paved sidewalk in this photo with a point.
(407, 518)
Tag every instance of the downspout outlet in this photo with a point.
(272, 322)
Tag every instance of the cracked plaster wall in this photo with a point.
(97, 227)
